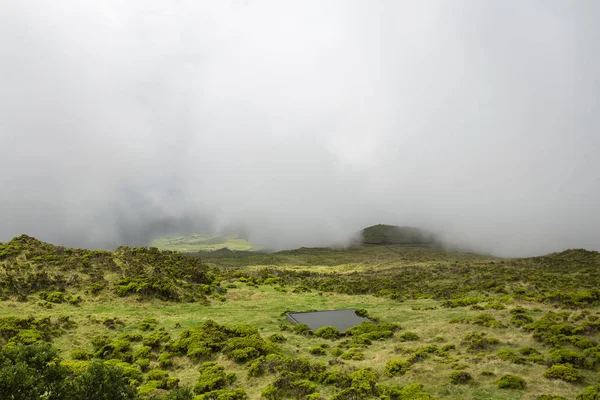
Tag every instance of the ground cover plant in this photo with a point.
(150, 324)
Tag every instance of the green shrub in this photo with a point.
(165, 360)
(479, 341)
(549, 397)
(460, 377)
(408, 337)
(147, 324)
(487, 373)
(336, 352)
(565, 356)
(101, 381)
(212, 377)
(277, 338)
(511, 356)
(590, 393)
(564, 372)
(352, 354)
(302, 329)
(79, 354)
(143, 363)
(511, 382)
(328, 332)
(317, 351)
(143, 352)
(396, 367)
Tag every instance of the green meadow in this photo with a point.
(452, 325)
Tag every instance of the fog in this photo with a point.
(301, 122)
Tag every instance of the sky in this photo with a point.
(299, 123)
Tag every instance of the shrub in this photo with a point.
(511, 356)
(317, 351)
(396, 367)
(212, 377)
(479, 341)
(408, 337)
(147, 324)
(590, 393)
(487, 373)
(564, 372)
(277, 338)
(352, 354)
(328, 332)
(165, 360)
(565, 356)
(79, 354)
(511, 382)
(302, 329)
(143, 352)
(549, 397)
(460, 377)
(101, 382)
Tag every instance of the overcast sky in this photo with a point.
(301, 121)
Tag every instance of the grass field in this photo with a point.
(199, 242)
(452, 295)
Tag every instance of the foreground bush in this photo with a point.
(563, 372)
(511, 382)
(460, 377)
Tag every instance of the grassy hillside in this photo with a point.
(199, 242)
(452, 325)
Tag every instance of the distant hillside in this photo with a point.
(200, 242)
(391, 234)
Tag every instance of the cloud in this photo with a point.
(301, 123)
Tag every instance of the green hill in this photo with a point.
(199, 242)
(391, 234)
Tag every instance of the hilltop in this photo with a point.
(390, 234)
(168, 325)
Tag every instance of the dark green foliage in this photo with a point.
(155, 339)
(224, 394)
(410, 392)
(100, 381)
(564, 356)
(147, 324)
(79, 354)
(240, 342)
(487, 320)
(460, 377)
(511, 382)
(396, 367)
(590, 393)
(180, 393)
(328, 332)
(165, 360)
(302, 329)
(479, 341)
(277, 338)
(28, 372)
(317, 351)
(352, 354)
(511, 356)
(212, 377)
(550, 397)
(370, 331)
(32, 330)
(462, 302)
(563, 372)
(408, 337)
(487, 373)
(246, 348)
